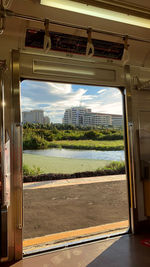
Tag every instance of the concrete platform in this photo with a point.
(75, 181)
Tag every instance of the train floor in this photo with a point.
(123, 251)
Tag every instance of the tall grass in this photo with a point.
(27, 171)
(116, 166)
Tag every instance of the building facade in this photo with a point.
(97, 119)
(34, 116)
(117, 120)
(81, 116)
(75, 115)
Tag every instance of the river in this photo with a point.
(79, 154)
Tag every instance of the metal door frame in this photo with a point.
(11, 205)
(19, 72)
(17, 156)
(4, 207)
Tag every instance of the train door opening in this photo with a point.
(75, 184)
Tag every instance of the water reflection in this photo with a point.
(79, 154)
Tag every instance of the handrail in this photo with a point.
(10, 13)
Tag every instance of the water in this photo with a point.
(79, 154)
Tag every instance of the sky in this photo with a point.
(54, 98)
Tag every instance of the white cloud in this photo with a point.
(59, 88)
(26, 103)
(102, 91)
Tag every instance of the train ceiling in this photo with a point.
(129, 13)
(17, 27)
(134, 7)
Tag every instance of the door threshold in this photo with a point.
(71, 238)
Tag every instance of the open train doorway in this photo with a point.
(75, 185)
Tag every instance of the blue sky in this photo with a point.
(54, 98)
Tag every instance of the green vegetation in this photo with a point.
(33, 171)
(116, 166)
(37, 136)
(61, 165)
(89, 144)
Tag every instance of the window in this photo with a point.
(74, 140)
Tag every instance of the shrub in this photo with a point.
(116, 166)
(91, 135)
(34, 142)
(31, 171)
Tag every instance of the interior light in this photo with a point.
(3, 104)
(44, 67)
(97, 12)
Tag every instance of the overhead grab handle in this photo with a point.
(90, 46)
(47, 39)
(125, 57)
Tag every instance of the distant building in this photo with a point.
(46, 120)
(81, 116)
(75, 115)
(97, 119)
(34, 116)
(117, 120)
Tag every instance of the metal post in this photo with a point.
(4, 207)
(17, 155)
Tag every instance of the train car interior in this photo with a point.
(99, 43)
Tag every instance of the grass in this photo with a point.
(33, 171)
(61, 165)
(114, 166)
(89, 144)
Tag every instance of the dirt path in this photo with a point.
(59, 209)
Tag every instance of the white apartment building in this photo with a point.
(117, 120)
(34, 116)
(82, 116)
(75, 115)
(97, 119)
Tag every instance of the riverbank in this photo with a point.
(37, 137)
(88, 144)
(61, 176)
(107, 145)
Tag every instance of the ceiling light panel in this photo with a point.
(97, 12)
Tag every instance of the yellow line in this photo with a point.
(75, 233)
